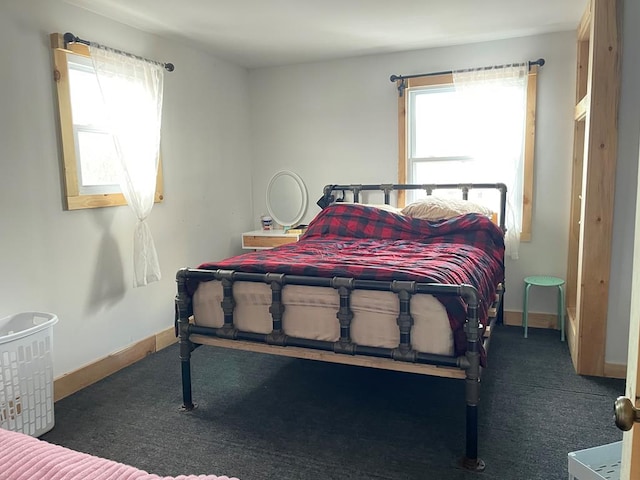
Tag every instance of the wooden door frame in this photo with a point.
(593, 186)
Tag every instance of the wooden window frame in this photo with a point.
(74, 200)
(529, 139)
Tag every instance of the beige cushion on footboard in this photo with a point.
(26, 458)
(310, 312)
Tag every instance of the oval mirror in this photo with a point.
(286, 199)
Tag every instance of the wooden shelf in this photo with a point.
(265, 239)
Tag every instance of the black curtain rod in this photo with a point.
(540, 62)
(71, 38)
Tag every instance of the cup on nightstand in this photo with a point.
(267, 222)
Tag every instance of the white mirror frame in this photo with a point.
(303, 204)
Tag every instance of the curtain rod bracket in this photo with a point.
(71, 38)
(540, 62)
(401, 85)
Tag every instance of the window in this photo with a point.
(442, 139)
(89, 158)
(94, 148)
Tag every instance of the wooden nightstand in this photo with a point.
(264, 239)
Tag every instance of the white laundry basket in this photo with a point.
(597, 463)
(26, 372)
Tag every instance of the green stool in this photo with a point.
(544, 281)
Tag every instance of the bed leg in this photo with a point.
(500, 319)
(471, 460)
(181, 322)
(472, 385)
(185, 362)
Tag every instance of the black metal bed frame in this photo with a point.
(469, 362)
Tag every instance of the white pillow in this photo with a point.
(438, 208)
(384, 206)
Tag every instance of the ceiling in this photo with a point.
(261, 33)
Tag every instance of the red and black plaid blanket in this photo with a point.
(352, 240)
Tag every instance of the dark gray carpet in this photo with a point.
(265, 417)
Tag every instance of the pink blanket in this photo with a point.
(26, 458)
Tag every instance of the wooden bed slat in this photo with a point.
(357, 360)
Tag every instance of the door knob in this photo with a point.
(625, 413)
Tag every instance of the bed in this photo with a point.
(366, 285)
(26, 458)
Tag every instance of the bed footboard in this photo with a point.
(344, 350)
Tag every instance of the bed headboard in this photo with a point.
(330, 191)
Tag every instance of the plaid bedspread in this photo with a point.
(351, 240)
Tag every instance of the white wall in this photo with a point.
(78, 264)
(330, 122)
(336, 122)
(626, 187)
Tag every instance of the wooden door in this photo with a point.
(631, 439)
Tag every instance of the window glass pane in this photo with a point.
(97, 159)
(95, 152)
(87, 107)
(439, 124)
(489, 198)
(456, 172)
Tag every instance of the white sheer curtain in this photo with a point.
(132, 92)
(495, 104)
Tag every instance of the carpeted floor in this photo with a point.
(263, 417)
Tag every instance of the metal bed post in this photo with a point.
(344, 286)
(472, 378)
(503, 225)
(404, 290)
(277, 335)
(228, 303)
(182, 307)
